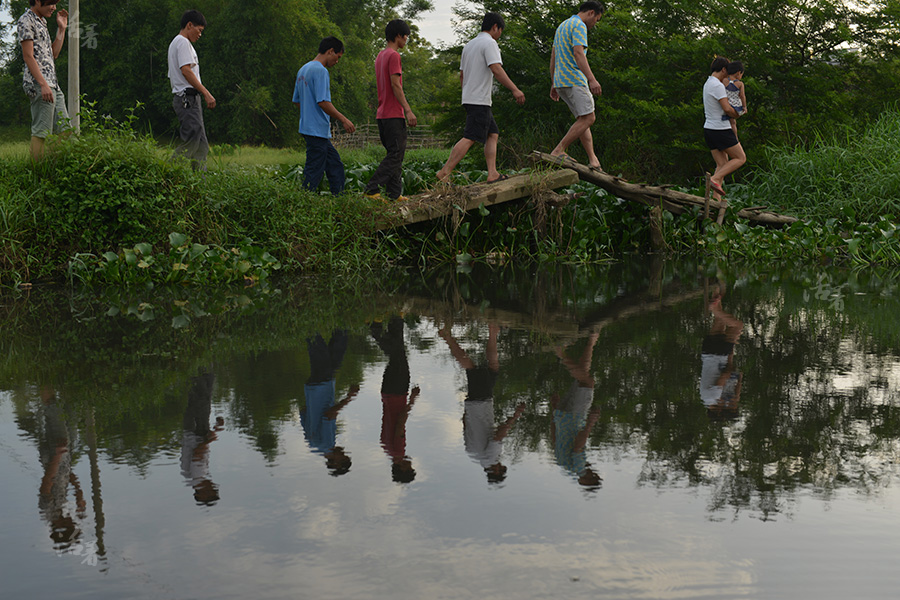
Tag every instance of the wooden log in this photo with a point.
(652, 195)
(657, 239)
(445, 199)
(721, 217)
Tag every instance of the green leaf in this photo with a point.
(177, 239)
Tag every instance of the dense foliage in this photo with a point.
(249, 56)
(811, 66)
(111, 188)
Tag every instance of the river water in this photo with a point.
(638, 430)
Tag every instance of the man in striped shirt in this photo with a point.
(573, 81)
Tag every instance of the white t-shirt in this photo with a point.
(478, 433)
(713, 91)
(478, 79)
(181, 52)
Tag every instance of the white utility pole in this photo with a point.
(74, 66)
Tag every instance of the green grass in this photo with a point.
(110, 188)
(13, 150)
(852, 175)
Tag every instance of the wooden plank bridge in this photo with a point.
(454, 200)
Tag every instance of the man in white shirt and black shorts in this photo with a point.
(479, 65)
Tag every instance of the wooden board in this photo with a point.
(654, 195)
(444, 199)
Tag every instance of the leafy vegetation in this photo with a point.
(808, 72)
(111, 188)
(183, 263)
(249, 55)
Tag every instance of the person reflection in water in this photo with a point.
(56, 458)
(319, 416)
(720, 383)
(396, 400)
(573, 417)
(483, 441)
(196, 438)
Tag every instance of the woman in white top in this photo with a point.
(722, 142)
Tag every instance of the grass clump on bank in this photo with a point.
(852, 176)
(110, 188)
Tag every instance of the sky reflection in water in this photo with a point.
(620, 433)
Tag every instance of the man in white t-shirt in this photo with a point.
(184, 73)
(721, 140)
(479, 65)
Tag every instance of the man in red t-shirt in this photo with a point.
(393, 113)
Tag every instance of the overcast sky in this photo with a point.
(436, 26)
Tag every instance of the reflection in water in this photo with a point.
(196, 438)
(396, 401)
(483, 441)
(720, 383)
(319, 414)
(574, 418)
(738, 484)
(55, 447)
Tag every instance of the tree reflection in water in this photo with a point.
(817, 409)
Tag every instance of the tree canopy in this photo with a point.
(811, 66)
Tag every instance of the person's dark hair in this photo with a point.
(331, 43)
(491, 19)
(593, 5)
(719, 63)
(735, 67)
(403, 472)
(193, 16)
(496, 473)
(337, 462)
(43, 3)
(395, 28)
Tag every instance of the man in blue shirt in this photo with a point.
(573, 81)
(312, 93)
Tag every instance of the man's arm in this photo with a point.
(47, 94)
(554, 95)
(582, 62)
(397, 87)
(332, 112)
(195, 83)
(62, 21)
(505, 81)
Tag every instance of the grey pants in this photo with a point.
(194, 144)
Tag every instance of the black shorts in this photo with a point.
(480, 123)
(716, 345)
(720, 139)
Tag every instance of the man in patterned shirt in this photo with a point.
(573, 80)
(48, 104)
